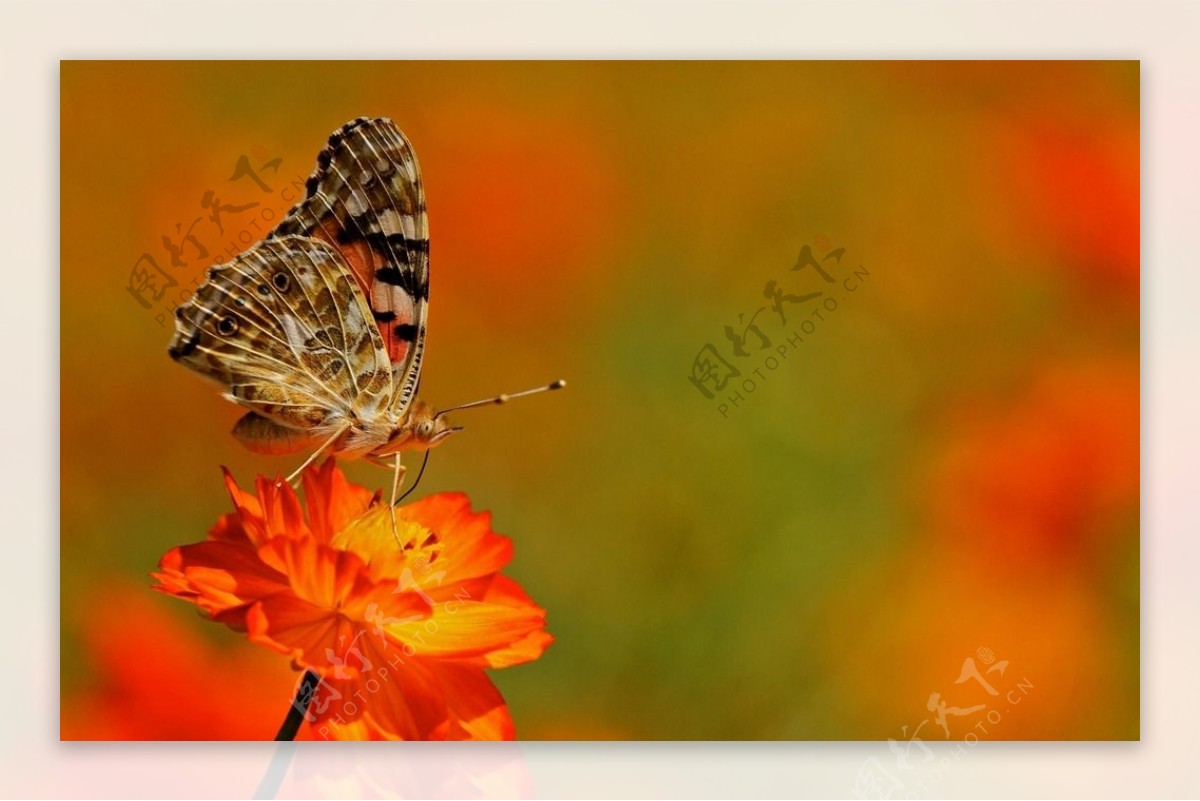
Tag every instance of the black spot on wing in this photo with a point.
(390, 275)
(406, 332)
(384, 316)
(401, 242)
(405, 279)
(362, 229)
(186, 347)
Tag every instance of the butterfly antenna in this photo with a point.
(503, 397)
(417, 481)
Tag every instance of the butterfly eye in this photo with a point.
(281, 281)
(424, 429)
(227, 326)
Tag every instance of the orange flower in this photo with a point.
(400, 635)
(142, 678)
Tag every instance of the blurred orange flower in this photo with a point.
(143, 674)
(400, 636)
(1050, 480)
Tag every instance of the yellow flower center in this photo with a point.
(371, 536)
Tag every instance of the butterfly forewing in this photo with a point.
(365, 199)
(286, 329)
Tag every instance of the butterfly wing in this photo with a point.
(262, 435)
(365, 199)
(286, 329)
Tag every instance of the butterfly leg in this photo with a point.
(296, 473)
(396, 476)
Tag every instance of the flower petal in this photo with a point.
(282, 512)
(467, 631)
(441, 543)
(333, 501)
(217, 576)
(476, 709)
(361, 729)
(469, 546)
(504, 590)
(507, 592)
(248, 509)
(228, 528)
(297, 628)
(404, 699)
(318, 574)
(526, 650)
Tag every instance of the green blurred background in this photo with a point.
(948, 462)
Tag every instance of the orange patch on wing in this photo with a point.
(363, 262)
(357, 254)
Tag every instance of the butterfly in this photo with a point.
(319, 329)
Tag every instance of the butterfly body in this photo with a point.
(319, 329)
(418, 428)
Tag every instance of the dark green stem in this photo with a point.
(295, 715)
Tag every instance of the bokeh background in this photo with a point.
(945, 468)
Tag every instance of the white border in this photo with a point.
(34, 37)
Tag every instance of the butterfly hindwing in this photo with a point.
(262, 435)
(286, 329)
(365, 199)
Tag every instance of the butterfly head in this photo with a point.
(430, 428)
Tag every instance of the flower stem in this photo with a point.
(295, 715)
